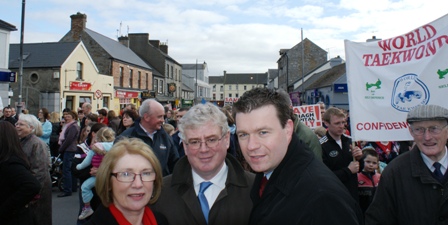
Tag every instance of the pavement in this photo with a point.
(65, 210)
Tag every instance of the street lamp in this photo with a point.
(196, 84)
(66, 79)
(22, 28)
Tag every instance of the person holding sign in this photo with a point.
(412, 189)
(337, 152)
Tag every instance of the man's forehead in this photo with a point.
(193, 132)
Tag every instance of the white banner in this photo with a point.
(387, 78)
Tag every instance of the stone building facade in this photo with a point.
(290, 62)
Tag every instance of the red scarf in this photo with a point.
(148, 216)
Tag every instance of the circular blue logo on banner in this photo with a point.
(409, 92)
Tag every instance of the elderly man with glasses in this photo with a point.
(208, 186)
(412, 187)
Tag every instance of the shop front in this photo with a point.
(125, 97)
(80, 92)
(187, 103)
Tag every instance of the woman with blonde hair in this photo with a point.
(128, 180)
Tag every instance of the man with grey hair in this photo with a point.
(412, 187)
(208, 186)
(149, 129)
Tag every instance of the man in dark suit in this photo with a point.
(291, 185)
(176, 138)
(206, 137)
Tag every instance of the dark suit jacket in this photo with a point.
(302, 190)
(179, 203)
(18, 188)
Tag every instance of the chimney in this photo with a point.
(124, 41)
(78, 25)
(164, 48)
(335, 61)
(155, 43)
(373, 39)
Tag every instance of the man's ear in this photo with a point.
(410, 131)
(289, 128)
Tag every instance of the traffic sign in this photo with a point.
(98, 94)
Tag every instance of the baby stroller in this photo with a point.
(56, 172)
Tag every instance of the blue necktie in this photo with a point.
(203, 199)
(437, 172)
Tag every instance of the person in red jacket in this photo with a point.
(368, 178)
(102, 116)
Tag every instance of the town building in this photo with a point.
(131, 75)
(330, 88)
(58, 75)
(5, 74)
(168, 79)
(228, 88)
(198, 78)
(292, 66)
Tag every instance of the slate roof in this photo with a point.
(186, 88)
(192, 66)
(117, 50)
(156, 72)
(273, 73)
(245, 78)
(216, 79)
(7, 26)
(164, 54)
(329, 77)
(50, 54)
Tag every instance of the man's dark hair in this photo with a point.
(103, 112)
(92, 117)
(259, 97)
(131, 113)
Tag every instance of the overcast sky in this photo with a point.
(233, 35)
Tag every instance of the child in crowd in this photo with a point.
(368, 178)
(320, 132)
(103, 143)
(169, 128)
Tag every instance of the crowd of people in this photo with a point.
(252, 163)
